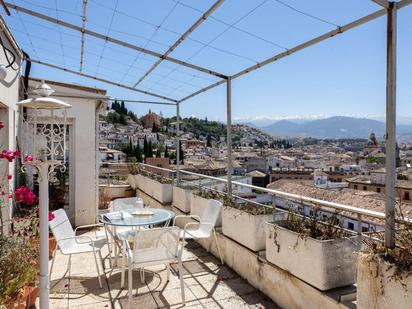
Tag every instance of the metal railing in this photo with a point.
(359, 213)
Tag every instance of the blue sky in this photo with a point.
(341, 76)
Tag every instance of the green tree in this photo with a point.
(149, 150)
(166, 152)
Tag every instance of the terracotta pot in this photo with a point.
(20, 301)
(33, 293)
(52, 246)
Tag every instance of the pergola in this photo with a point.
(387, 8)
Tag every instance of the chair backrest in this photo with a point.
(61, 228)
(157, 244)
(121, 204)
(210, 215)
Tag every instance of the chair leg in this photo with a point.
(123, 272)
(168, 272)
(182, 287)
(218, 247)
(98, 271)
(130, 283)
(109, 246)
(142, 275)
(52, 263)
(69, 266)
(101, 260)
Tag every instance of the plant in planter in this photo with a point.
(384, 274)
(315, 250)
(18, 272)
(245, 223)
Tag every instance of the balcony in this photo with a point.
(208, 284)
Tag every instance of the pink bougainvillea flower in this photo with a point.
(1, 125)
(9, 177)
(10, 196)
(51, 216)
(25, 196)
(9, 155)
(28, 158)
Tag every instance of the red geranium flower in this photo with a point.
(51, 216)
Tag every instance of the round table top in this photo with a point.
(158, 216)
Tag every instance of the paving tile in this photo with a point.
(145, 301)
(208, 284)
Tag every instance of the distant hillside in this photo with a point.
(333, 127)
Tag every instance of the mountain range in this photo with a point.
(332, 127)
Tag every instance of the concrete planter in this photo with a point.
(163, 192)
(324, 264)
(245, 228)
(377, 288)
(182, 198)
(131, 179)
(198, 204)
(135, 181)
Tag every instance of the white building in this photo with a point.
(9, 96)
(81, 179)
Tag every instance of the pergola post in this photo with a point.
(390, 127)
(178, 143)
(229, 134)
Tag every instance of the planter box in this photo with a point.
(131, 179)
(159, 191)
(198, 204)
(245, 228)
(378, 289)
(324, 264)
(182, 198)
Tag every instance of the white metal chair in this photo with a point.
(151, 247)
(205, 228)
(68, 243)
(121, 204)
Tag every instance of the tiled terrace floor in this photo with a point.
(208, 284)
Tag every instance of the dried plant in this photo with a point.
(313, 226)
(400, 256)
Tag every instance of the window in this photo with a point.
(378, 190)
(364, 229)
(406, 196)
(365, 188)
(311, 212)
(351, 226)
(355, 187)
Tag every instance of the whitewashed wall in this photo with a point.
(9, 96)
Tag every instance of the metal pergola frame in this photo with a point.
(388, 8)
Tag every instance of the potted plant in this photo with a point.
(384, 274)
(315, 250)
(245, 223)
(18, 272)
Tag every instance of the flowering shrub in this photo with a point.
(51, 216)
(25, 196)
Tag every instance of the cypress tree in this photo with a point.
(166, 152)
(145, 147)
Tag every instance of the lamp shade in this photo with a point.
(44, 103)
